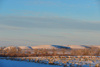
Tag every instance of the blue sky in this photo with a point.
(38, 22)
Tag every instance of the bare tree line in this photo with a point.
(93, 51)
(17, 52)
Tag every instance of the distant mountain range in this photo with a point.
(54, 47)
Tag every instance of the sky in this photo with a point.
(49, 22)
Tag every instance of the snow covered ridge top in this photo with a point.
(25, 47)
(10, 47)
(44, 47)
(21, 47)
(53, 47)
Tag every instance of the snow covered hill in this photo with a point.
(44, 47)
(54, 47)
(25, 47)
